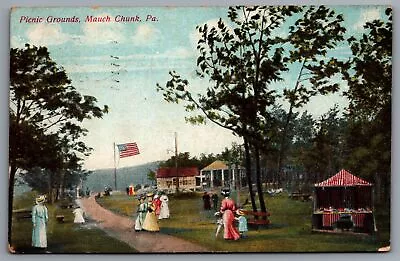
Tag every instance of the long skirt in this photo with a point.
(39, 236)
(164, 213)
(230, 231)
(140, 221)
(78, 218)
(150, 222)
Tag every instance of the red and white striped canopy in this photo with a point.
(343, 179)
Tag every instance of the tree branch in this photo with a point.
(208, 115)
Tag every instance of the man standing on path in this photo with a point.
(214, 198)
(206, 201)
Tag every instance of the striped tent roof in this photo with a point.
(343, 179)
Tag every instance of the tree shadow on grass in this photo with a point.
(174, 230)
(273, 226)
(25, 249)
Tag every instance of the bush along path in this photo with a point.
(122, 228)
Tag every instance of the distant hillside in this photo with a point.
(125, 176)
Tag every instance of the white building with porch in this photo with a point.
(219, 174)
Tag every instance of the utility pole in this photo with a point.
(176, 162)
(115, 170)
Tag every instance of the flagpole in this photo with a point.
(115, 169)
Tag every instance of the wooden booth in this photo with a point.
(343, 202)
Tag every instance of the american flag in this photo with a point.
(128, 149)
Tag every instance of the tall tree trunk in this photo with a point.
(60, 193)
(378, 188)
(248, 174)
(282, 150)
(11, 183)
(258, 181)
(50, 187)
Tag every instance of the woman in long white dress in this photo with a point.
(78, 213)
(141, 213)
(164, 212)
(39, 222)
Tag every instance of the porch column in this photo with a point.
(223, 177)
(212, 179)
(201, 178)
(233, 178)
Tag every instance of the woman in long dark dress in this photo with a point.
(207, 201)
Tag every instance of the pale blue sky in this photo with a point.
(146, 51)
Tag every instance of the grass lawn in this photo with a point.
(64, 237)
(290, 229)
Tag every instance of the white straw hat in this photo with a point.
(40, 199)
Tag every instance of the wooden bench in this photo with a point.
(22, 213)
(298, 195)
(60, 218)
(259, 218)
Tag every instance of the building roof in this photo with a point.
(183, 172)
(216, 165)
(343, 179)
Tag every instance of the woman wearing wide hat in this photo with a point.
(141, 213)
(39, 222)
(164, 212)
(228, 209)
(150, 222)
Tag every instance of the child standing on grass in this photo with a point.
(242, 223)
(78, 215)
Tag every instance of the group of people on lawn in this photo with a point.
(151, 208)
(40, 217)
(210, 199)
(227, 215)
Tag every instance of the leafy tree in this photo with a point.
(325, 157)
(233, 155)
(44, 106)
(151, 175)
(304, 131)
(242, 59)
(185, 160)
(310, 38)
(206, 159)
(239, 64)
(369, 77)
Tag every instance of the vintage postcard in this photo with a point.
(200, 129)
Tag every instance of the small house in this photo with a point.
(167, 179)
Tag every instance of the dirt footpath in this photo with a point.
(122, 228)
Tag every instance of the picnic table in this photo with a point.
(299, 195)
